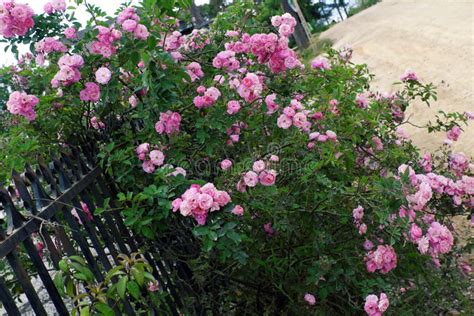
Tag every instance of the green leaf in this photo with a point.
(70, 288)
(122, 286)
(133, 289)
(85, 311)
(115, 271)
(104, 309)
(58, 282)
(63, 265)
(201, 231)
(148, 276)
(78, 259)
(234, 236)
(80, 276)
(138, 275)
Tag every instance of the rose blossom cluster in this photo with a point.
(20, 103)
(39, 245)
(234, 132)
(438, 239)
(70, 32)
(169, 123)
(285, 24)
(198, 201)
(96, 123)
(68, 73)
(375, 306)
(85, 210)
(453, 134)
(91, 92)
(426, 162)
(358, 214)
(15, 19)
(383, 258)
(321, 63)
(226, 60)
(361, 101)
(198, 39)
(272, 106)
(49, 45)
(208, 98)
(294, 114)
(54, 6)
(173, 41)
(151, 158)
(104, 45)
(392, 101)
(194, 71)
(409, 75)
(258, 174)
(321, 137)
(239, 46)
(269, 48)
(128, 19)
(458, 163)
(250, 87)
(461, 190)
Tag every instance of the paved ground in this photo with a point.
(435, 38)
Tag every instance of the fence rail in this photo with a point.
(38, 205)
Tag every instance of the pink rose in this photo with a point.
(267, 177)
(148, 166)
(310, 299)
(415, 232)
(70, 33)
(238, 210)
(251, 178)
(233, 107)
(103, 75)
(226, 164)
(129, 25)
(284, 121)
(157, 157)
(258, 166)
(141, 32)
(205, 201)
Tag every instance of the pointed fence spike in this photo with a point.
(14, 218)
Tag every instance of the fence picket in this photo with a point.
(48, 194)
(7, 299)
(35, 206)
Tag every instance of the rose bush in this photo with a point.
(287, 188)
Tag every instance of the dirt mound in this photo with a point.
(434, 38)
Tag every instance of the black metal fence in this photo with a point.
(38, 204)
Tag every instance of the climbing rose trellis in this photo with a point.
(314, 173)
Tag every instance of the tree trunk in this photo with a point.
(300, 35)
(196, 14)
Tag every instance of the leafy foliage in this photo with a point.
(297, 235)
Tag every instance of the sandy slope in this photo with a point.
(433, 37)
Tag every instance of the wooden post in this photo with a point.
(301, 34)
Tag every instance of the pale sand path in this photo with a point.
(434, 38)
